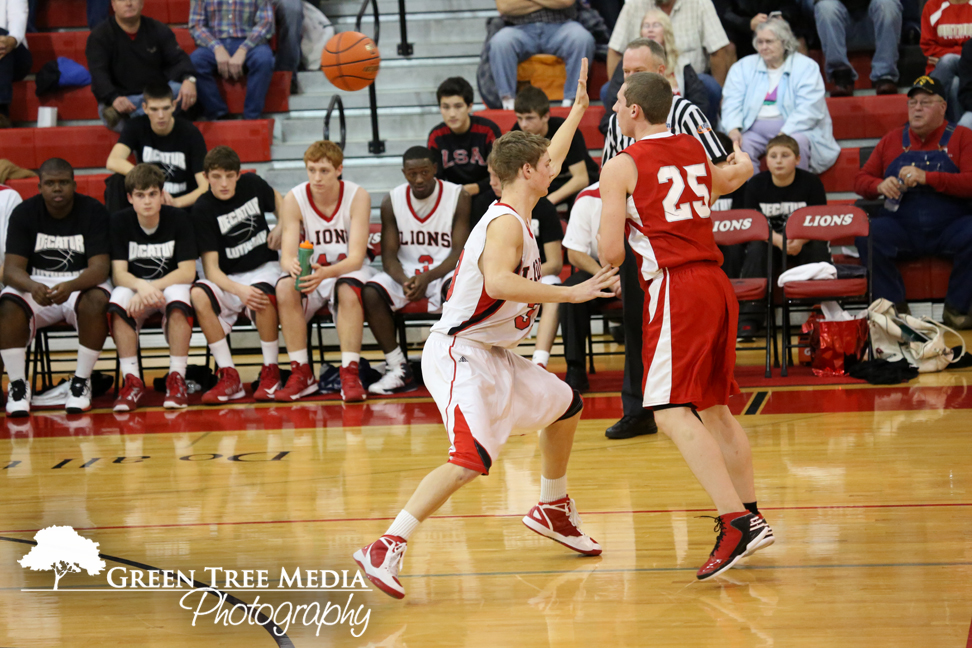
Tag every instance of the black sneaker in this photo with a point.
(577, 379)
(955, 319)
(79, 396)
(632, 426)
(18, 399)
(739, 534)
(843, 80)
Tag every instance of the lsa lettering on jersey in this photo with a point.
(828, 221)
(462, 156)
(419, 237)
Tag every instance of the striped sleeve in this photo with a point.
(687, 119)
(614, 141)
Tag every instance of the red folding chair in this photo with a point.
(824, 223)
(738, 226)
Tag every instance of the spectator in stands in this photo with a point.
(128, 52)
(698, 35)
(777, 193)
(172, 143)
(532, 110)
(740, 18)
(461, 143)
(241, 262)
(927, 166)
(546, 228)
(580, 240)
(233, 43)
(946, 25)
(860, 25)
(153, 264)
(424, 225)
(334, 216)
(15, 58)
(289, 16)
(645, 55)
(965, 86)
(56, 269)
(779, 91)
(548, 27)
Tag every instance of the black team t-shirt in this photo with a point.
(777, 203)
(152, 256)
(576, 153)
(236, 228)
(58, 247)
(462, 158)
(179, 154)
(545, 224)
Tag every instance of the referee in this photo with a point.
(685, 118)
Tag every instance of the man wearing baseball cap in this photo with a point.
(928, 166)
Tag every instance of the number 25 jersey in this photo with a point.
(668, 222)
(469, 313)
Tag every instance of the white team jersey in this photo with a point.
(8, 200)
(469, 313)
(424, 226)
(328, 235)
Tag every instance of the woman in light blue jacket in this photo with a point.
(778, 90)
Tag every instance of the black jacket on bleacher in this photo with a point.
(121, 66)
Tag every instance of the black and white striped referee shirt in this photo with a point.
(685, 118)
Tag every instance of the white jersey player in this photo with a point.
(424, 224)
(333, 215)
(484, 390)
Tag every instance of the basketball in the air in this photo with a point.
(350, 61)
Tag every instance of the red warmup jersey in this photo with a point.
(668, 221)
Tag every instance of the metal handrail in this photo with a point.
(377, 145)
(404, 47)
(336, 101)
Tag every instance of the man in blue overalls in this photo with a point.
(926, 168)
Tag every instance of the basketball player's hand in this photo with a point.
(310, 283)
(41, 294)
(581, 99)
(794, 246)
(167, 199)
(254, 298)
(416, 286)
(600, 285)
(738, 155)
(59, 293)
(275, 238)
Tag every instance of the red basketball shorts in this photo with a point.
(689, 348)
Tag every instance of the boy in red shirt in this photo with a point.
(945, 26)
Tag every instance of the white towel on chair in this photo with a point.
(809, 272)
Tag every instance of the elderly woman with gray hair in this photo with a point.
(778, 90)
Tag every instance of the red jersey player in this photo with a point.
(484, 391)
(658, 192)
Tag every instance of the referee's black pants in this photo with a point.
(575, 323)
(633, 303)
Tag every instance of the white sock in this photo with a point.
(403, 526)
(348, 358)
(508, 103)
(552, 490)
(395, 358)
(541, 357)
(86, 362)
(299, 357)
(15, 362)
(221, 352)
(178, 364)
(129, 366)
(271, 352)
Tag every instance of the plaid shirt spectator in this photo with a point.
(211, 20)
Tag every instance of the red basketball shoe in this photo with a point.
(131, 392)
(381, 562)
(559, 521)
(176, 394)
(739, 533)
(229, 387)
(352, 391)
(300, 384)
(269, 383)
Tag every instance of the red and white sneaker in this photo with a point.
(560, 522)
(176, 394)
(269, 383)
(131, 392)
(301, 383)
(352, 391)
(229, 387)
(739, 533)
(381, 562)
(767, 540)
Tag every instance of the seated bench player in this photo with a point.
(153, 263)
(56, 269)
(334, 214)
(424, 224)
(242, 268)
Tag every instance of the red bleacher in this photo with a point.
(59, 14)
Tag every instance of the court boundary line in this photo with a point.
(498, 516)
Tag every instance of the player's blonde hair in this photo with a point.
(324, 150)
(514, 150)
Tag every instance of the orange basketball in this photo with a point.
(350, 61)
